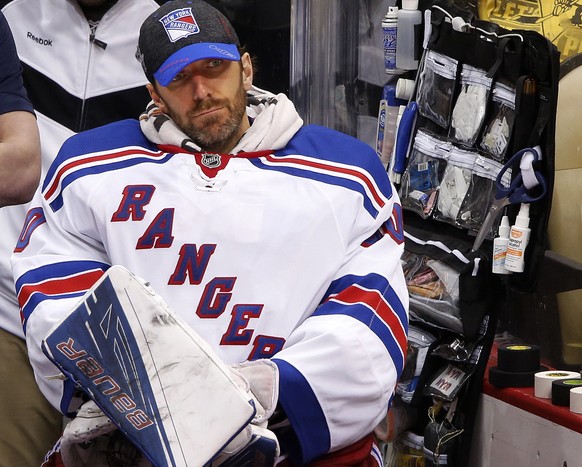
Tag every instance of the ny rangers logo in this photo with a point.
(211, 160)
(179, 24)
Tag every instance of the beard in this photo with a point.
(213, 132)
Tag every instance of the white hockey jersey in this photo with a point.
(287, 249)
(75, 82)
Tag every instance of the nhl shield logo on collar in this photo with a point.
(180, 23)
(211, 161)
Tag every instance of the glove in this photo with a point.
(260, 379)
(89, 423)
(255, 444)
(201, 408)
(91, 439)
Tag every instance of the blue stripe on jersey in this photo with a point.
(44, 275)
(332, 148)
(304, 412)
(365, 313)
(105, 138)
(329, 179)
(103, 149)
(57, 202)
(377, 455)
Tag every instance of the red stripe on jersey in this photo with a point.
(92, 159)
(72, 284)
(332, 168)
(358, 454)
(375, 300)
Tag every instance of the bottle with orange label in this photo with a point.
(518, 239)
(500, 248)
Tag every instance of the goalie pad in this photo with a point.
(255, 446)
(151, 374)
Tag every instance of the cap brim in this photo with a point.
(192, 53)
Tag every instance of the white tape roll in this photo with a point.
(576, 400)
(543, 381)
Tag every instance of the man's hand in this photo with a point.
(255, 445)
(91, 439)
(89, 423)
(179, 402)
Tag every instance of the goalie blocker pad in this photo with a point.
(150, 373)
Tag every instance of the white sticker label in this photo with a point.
(449, 380)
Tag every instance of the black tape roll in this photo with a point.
(561, 390)
(509, 379)
(517, 358)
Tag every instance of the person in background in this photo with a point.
(80, 72)
(19, 176)
(278, 243)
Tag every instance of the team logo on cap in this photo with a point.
(179, 24)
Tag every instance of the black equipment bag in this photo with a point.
(461, 313)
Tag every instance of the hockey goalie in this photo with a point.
(131, 356)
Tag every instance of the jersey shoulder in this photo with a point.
(339, 160)
(98, 151)
(105, 138)
(333, 146)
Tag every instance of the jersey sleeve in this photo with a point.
(13, 95)
(52, 270)
(339, 368)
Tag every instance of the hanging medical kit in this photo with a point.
(475, 143)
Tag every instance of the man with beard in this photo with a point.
(79, 70)
(278, 243)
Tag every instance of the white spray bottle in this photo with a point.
(518, 239)
(500, 247)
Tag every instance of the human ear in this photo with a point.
(247, 71)
(155, 96)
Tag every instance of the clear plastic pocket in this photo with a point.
(434, 292)
(420, 182)
(471, 105)
(498, 126)
(454, 185)
(436, 87)
(480, 194)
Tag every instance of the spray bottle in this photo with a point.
(518, 239)
(500, 248)
(389, 28)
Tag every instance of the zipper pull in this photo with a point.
(97, 42)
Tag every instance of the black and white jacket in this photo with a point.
(75, 81)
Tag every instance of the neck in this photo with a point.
(226, 146)
(96, 12)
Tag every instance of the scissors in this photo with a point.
(518, 191)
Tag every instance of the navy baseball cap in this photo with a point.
(181, 32)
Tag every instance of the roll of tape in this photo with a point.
(518, 358)
(510, 379)
(543, 381)
(561, 390)
(576, 400)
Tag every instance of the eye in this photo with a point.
(213, 63)
(180, 75)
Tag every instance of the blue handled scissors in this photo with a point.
(520, 190)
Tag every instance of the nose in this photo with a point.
(200, 89)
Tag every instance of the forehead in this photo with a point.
(214, 64)
(209, 69)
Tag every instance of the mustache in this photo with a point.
(208, 104)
